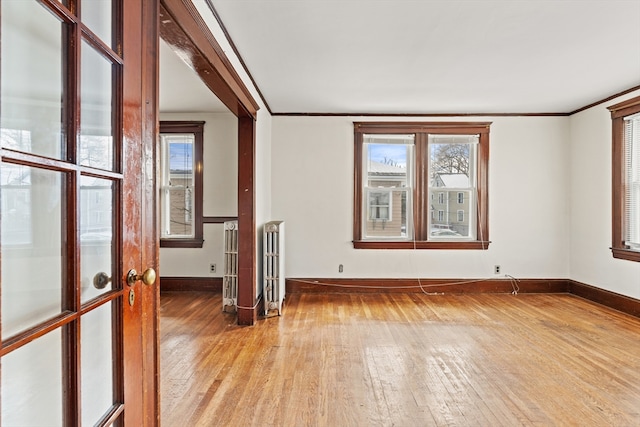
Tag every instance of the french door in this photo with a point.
(78, 312)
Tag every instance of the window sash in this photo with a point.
(632, 184)
(177, 186)
(449, 196)
(391, 174)
(183, 185)
(177, 216)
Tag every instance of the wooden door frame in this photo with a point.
(149, 244)
(140, 111)
(182, 27)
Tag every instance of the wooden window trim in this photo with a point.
(618, 113)
(196, 128)
(420, 205)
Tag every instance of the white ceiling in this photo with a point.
(435, 56)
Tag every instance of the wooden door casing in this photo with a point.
(182, 27)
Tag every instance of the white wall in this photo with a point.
(591, 261)
(262, 178)
(312, 189)
(220, 195)
(550, 199)
(263, 185)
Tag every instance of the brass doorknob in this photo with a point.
(148, 277)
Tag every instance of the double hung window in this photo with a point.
(421, 185)
(181, 184)
(626, 180)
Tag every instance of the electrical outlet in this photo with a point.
(212, 268)
(496, 269)
(340, 268)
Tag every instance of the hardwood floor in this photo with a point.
(400, 360)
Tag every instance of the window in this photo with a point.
(181, 184)
(399, 169)
(626, 180)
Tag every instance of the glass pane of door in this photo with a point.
(96, 14)
(96, 127)
(97, 363)
(32, 79)
(32, 383)
(96, 236)
(32, 230)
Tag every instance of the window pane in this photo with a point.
(96, 127)
(379, 205)
(452, 155)
(387, 163)
(449, 217)
(32, 383)
(32, 79)
(387, 214)
(32, 231)
(178, 202)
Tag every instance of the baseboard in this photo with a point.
(604, 297)
(601, 296)
(449, 286)
(203, 284)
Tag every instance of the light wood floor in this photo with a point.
(401, 360)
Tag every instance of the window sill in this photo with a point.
(628, 254)
(368, 244)
(181, 243)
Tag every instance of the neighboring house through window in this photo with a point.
(379, 207)
(181, 184)
(626, 180)
(400, 167)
